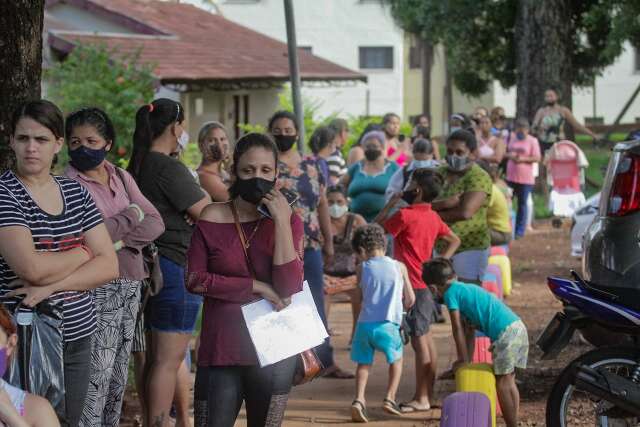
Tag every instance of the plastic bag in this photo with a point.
(38, 364)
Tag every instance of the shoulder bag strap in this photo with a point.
(349, 226)
(243, 239)
(120, 173)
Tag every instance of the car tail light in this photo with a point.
(625, 191)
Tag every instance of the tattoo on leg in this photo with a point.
(158, 421)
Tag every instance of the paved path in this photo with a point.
(327, 401)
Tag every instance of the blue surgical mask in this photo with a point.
(520, 135)
(84, 159)
(454, 129)
(422, 164)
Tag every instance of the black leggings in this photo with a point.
(220, 391)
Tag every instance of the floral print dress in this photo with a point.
(308, 183)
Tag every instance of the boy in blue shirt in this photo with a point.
(508, 335)
(385, 288)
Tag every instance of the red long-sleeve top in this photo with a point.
(216, 263)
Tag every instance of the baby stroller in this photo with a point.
(565, 163)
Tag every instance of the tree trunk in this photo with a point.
(20, 62)
(427, 65)
(448, 89)
(544, 44)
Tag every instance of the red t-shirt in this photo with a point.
(415, 230)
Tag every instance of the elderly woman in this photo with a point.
(213, 142)
(368, 179)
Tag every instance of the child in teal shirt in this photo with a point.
(508, 335)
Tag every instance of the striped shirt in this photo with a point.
(337, 166)
(52, 233)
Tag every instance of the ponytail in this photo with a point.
(151, 122)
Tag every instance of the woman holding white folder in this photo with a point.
(238, 255)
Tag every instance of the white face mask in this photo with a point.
(183, 140)
(337, 211)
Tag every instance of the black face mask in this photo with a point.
(551, 104)
(253, 189)
(409, 196)
(372, 154)
(215, 152)
(285, 142)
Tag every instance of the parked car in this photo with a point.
(580, 221)
(611, 260)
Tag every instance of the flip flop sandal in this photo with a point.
(359, 412)
(391, 407)
(408, 408)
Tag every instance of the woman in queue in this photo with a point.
(228, 276)
(172, 189)
(367, 180)
(213, 142)
(54, 246)
(343, 266)
(303, 178)
(133, 223)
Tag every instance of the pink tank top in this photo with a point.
(402, 158)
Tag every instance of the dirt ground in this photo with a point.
(326, 402)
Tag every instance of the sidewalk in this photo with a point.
(327, 401)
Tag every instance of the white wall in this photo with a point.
(613, 89)
(335, 29)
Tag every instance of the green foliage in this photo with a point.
(94, 76)
(479, 36)
(312, 120)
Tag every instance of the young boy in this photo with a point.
(508, 335)
(385, 285)
(415, 230)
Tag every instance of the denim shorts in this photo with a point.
(371, 336)
(174, 309)
(471, 265)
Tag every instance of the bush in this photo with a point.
(94, 76)
(357, 124)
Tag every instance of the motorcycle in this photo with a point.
(602, 386)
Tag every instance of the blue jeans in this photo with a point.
(521, 192)
(174, 309)
(314, 275)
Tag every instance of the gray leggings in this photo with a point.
(220, 391)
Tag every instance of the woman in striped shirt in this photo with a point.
(54, 247)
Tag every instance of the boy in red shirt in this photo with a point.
(415, 230)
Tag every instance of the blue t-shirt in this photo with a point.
(381, 283)
(486, 312)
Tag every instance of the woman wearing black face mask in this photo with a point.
(132, 222)
(218, 269)
(303, 177)
(213, 143)
(367, 180)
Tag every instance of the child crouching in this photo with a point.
(508, 335)
(384, 285)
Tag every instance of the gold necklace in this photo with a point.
(255, 230)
